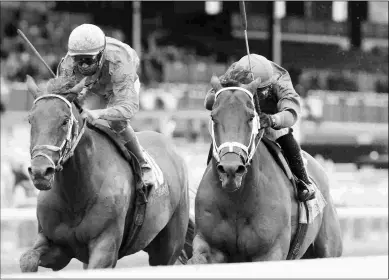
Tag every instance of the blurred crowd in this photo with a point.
(48, 30)
(47, 34)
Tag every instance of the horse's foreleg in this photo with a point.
(44, 254)
(203, 253)
(103, 251)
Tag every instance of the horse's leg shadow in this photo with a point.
(44, 254)
(310, 253)
(168, 244)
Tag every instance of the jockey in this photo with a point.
(280, 106)
(110, 67)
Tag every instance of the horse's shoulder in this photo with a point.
(264, 150)
(49, 203)
(209, 186)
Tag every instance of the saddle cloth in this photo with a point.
(160, 180)
(316, 205)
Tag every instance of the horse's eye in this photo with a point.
(65, 121)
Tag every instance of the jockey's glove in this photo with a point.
(267, 120)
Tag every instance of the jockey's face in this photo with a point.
(87, 65)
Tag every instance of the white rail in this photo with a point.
(353, 267)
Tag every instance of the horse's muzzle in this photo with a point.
(42, 174)
(231, 173)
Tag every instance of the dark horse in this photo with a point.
(245, 205)
(85, 210)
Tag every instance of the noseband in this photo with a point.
(68, 145)
(236, 147)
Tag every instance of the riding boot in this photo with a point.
(132, 144)
(292, 152)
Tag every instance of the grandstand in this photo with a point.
(343, 78)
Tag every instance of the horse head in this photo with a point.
(54, 127)
(234, 127)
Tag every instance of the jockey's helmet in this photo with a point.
(86, 45)
(260, 67)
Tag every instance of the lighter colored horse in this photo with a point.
(245, 206)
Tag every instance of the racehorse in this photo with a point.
(87, 204)
(245, 206)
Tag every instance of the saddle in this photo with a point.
(142, 193)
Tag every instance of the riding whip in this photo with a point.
(44, 62)
(244, 25)
(35, 51)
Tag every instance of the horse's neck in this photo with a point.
(266, 170)
(262, 161)
(74, 181)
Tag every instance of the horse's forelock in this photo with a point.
(235, 77)
(61, 85)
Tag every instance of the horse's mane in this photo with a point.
(234, 77)
(61, 85)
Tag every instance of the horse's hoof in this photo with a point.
(29, 261)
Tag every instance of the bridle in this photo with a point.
(68, 145)
(230, 147)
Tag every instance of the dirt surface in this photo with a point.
(10, 260)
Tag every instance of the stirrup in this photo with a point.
(146, 165)
(305, 192)
(151, 176)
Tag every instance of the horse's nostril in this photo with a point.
(29, 170)
(49, 171)
(241, 169)
(220, 168)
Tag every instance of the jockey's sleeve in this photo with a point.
(288, 103)
(124, 102)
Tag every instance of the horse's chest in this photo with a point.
(73, 234)
(243, 238)
(251, 238)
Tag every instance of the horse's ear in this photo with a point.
(77, 88)
(253, 86)
(215, 83)
(32, 87)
